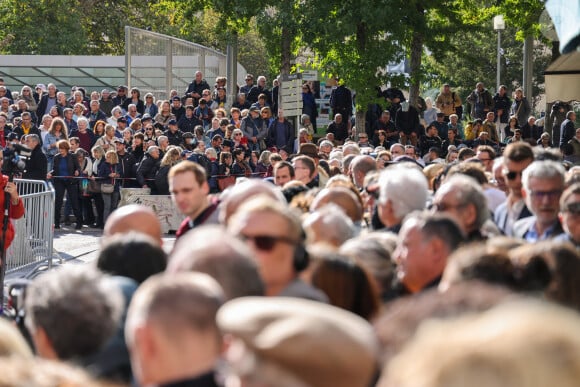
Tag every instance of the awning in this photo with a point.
(563, 79)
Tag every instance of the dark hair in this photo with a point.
(134, 255)
(518, 151)
(347, 284)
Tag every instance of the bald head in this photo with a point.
(241, 193)
(133, 218)
(342, 197)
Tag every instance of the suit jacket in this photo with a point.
(501, 212)
(522, 226)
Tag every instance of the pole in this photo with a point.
(231, 70)
(498, 80)
(528, 66)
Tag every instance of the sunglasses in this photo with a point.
(511, 175)
(573, 208)
(267, 242)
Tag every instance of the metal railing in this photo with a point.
(33, 241)
(158, 63)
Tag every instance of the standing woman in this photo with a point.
(171, 157)
(109, 173)
(511, 127)
(98, 158)
(86, 165)
(28, 97)
(56, 132)
(136, 100)
(150, 106)
(521, 107)
(308, 103)
(164, 114)
(64, 171)
(240, 167)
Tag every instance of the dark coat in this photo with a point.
(36, 165)
(146, 170)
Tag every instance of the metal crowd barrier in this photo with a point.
(33, 241)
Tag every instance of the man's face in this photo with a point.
(398, 151)
(453, 120)
(187, 194)
(262, 82)
(479, 87)
(446, 201)
(282, 176)
(543, 198)
(5, 103)
(532, 121)
(176, 103)
(490, 116)
(338, 118)
(94, 107)
(512, 173)
(486, 160)
(446, 89)
(198, 76)
(120, 148)
(410, 152)
(154, 153)
(26, 120)
(274, 259)
(570, 217)
(440, 118)
(51, 89)
(74, 146)
(301, 172)
(413, 256)
(133, 110)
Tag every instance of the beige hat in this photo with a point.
(318, 344)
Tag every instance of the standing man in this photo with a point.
(481, 102)
(273, 232)
(127, 161)
(543, 184)
(283, 173)
(425, 243)
(341, 101)
(501, 107)
(196, 88)
(36, 164)
(281, 132)
(567, 130)
(171, 330)
(258, 89)
(339, 128)
(189, 191)
(248, 86)
(447, 102)
(516, 158)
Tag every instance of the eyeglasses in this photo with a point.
(572, 208)
(363, 137)
(442, 207)
(511, 175)
(237, 134)
(266, 242)
(550, 195)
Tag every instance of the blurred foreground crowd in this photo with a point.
(340, 267)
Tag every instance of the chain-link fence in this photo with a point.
(159, 63)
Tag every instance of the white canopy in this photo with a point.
(563, 79)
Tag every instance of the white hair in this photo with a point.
(405, 187)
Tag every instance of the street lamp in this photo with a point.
(498, 25)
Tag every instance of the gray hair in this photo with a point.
(337, 225)
(405, 187)
(83, 119)
(326, 143)
(545, 169)
(78, 308)
(468, 191)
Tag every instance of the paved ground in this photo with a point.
(77, 247)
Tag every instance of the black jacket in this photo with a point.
(72, 166)
(36, 165)
(146, 170)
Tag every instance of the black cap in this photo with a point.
(172, 122)
(228, 143)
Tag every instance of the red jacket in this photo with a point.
(15, 211)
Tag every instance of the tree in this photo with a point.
(36, 27)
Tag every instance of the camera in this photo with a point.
(14, 159)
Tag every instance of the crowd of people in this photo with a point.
(341, 262)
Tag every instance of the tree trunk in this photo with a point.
(286, 51)
(359, 122)
(416, 54)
